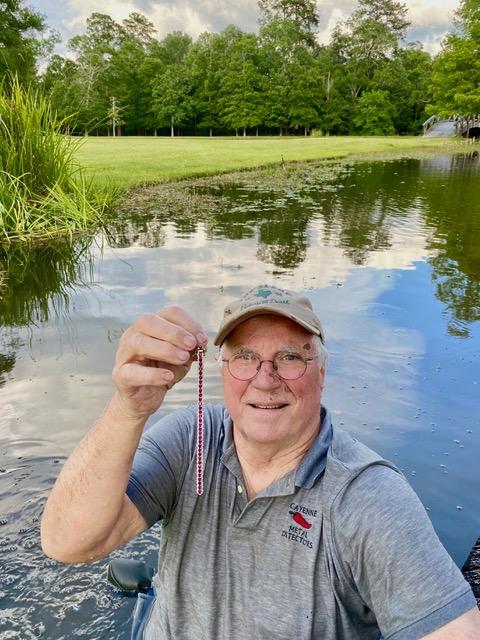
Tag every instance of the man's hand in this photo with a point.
(155, 353)
(88, 514)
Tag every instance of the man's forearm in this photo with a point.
(87, 514)
(87, 500)
(465, 627)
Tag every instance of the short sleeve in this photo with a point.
(160, 464)
(390, 553)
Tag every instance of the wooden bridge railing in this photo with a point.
(463, 124)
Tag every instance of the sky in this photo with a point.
(430, 19)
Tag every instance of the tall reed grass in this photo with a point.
(43, 190)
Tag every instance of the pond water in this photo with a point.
(389, 254)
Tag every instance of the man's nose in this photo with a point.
(266, 375)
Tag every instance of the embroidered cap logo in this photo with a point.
(264, 293)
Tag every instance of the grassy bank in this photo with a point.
(125, 162)
(43, 189)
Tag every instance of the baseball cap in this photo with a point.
(268, 300)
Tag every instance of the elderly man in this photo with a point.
(301, 531)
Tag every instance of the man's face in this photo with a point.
(268, 410)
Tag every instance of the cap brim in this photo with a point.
(235, 321)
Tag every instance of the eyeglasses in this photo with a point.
(287, 365)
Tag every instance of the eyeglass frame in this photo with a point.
(306, 360)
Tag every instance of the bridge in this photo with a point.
(436, 127)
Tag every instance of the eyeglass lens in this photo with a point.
(288, 366)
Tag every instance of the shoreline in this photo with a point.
(131, 162)
(196, 196)
(191, 191)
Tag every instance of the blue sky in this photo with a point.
(430, 19)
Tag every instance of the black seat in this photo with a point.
(471, 570)
(130, 575)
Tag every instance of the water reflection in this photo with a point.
(451, 212)
(361, 216)
(362, 213)
(7, 362)
(141, 231)
(386, 252)
(284, 242)
(39, 278)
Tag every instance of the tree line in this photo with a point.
(120, 78)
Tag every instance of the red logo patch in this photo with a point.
(299, 519)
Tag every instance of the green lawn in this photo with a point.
(125, 162)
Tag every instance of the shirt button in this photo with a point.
(240, 488)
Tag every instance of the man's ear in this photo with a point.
(322, 375)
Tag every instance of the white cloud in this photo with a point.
(329, 20)
(431, 13)
(190, 17)
(431, 19)
(79, 12)
(167, 19)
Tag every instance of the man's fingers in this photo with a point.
(157, 351)
(156, 326)
(176, 327)
(137, 375)
(140, 345)
(179, 317)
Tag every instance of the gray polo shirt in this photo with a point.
(338, 549)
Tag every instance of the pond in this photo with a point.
(388, 253)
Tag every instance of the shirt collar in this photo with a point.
(228, 445)
(313, 463)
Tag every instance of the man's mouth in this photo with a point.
(269, 405)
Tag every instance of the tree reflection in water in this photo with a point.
(360, 213)
(370, 213)
(453, 214)
(37, 278)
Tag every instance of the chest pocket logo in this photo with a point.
(302, 520)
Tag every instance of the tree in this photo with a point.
(406, 78)
(455, 83)
(174, 47)
(370, 36)
(282, 49)
(240, 85)
(170, 98)
(335, 105)
(109, 62)
(59, 84)
(303, 12)
(129, 80)
(138, 28)
(149, 69)
(391, 14)
(24, 37)
(206, 62)
(374, 114)
(418, 65)
(171, 90)
(115, 117)
(467, 18)
(281, 79)
(306, 90)
(95, 79)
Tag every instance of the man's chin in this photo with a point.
(268, 428)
